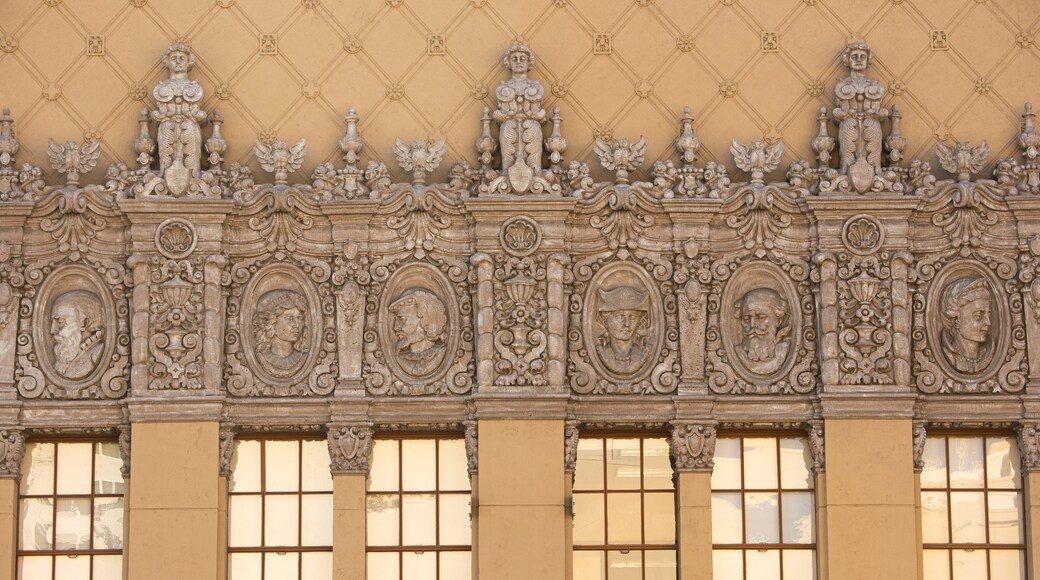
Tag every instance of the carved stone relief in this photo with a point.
(12, 450)
(350, 449)
(693, 446)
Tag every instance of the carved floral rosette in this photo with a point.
(633, 278)
(73, 338)
(777, 356)
(973, 263)
(418, 337)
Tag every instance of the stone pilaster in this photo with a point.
(693, 452)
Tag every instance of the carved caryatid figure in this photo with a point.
(765, 325)
(77, 330)
(420, 324)
(859, 115)
(624, 313)
(280, 326)
(521, 116)
(179, 115)
(967, 309)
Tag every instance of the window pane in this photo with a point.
(624, 516)
(622, 464)
(965, 463)
(798, 517)
(763, 564)
(316, 525)
(244, 567)
(969, 565)
(659, 518)
(588, 471)
(967, 517)
(74, 463)
(625, 566)
(283, 566)
(453, 469)
(799, 564)
(590, 565)
(420, 566)
(37, 527)
(454, 520)
(795, 464)
(419, 520)
(38, 469)
(936, 565)
(934, 517)
(384, 565)
(383, 475)
(1007, 565)
(34, 568)
(726, 518)
(727, 564)
(71, 567)
(316, 566)
(108, 479)
(383, 520)
(244, 521)
(760, 463)
(245, 467)
(1002, 463)
(72, 524)
(660, 564)
(589, 522)
(282, 465)
(456, 565)
(281, 520)
(1005, 517)
(726, 474)
(108, 568)
(657, 465)
(108, 523)
(933, 476)
(419, 457)
(762, 519)
(316, 473)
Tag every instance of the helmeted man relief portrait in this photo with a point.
(419, 323)
(280, 328)
(77, 332)
(765, 327)
(967, 309)
(624, 312)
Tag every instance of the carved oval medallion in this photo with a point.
(623, 323)
(175, 238)
(281, 324)
(761, 322)
(862, 234)
(964, 316)
(418, 323)
(74, 327)
(520, 236)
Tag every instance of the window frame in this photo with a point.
(744, 547)
(54, 553)
(263, 550)
(400, 549)
(643, 548)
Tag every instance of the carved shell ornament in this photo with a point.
(520, 236)
(175, 238)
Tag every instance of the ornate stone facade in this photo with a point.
(184, 280)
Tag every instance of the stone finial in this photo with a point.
(350, 449)
(1029, 139)
(351, 143)
(962, 159)
(687, 143)
(73, 159)
(693, 446)
(281, 159)
(144, 145)
(485, 144)
(216, 146)
(823, 143)
(620, 156)
(8, 142)
(420, 158)
(758, 158)
(895, 142)
(555, 143)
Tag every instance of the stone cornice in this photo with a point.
(867, 405)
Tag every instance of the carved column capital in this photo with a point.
(12, 449)
(920, 433)
(570, 447)
(227, 448)
(693, 446)
(124, 449)
(350, 449)
(816, 447)
(471, 445)
(1029, 445)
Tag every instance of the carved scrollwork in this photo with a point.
(175, 323)
(350, 449)
(12, 450)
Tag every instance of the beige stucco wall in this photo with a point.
(376, 54)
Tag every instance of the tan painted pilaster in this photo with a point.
(694, 517)
(522, 533)
(126, 527)
(1032, 493)
(870, 500)
(821, 526)
(8, 527)
(348, 532)
(222, 527)
(175, 501)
